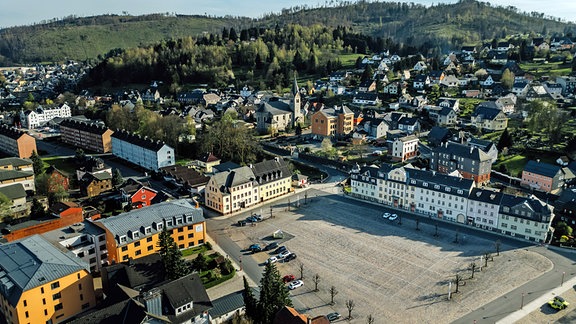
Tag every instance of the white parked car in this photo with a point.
(283, 254)
(272, 259)
(393, 217)
(295, 284)
(386, 215)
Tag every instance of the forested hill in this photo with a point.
(443, 25)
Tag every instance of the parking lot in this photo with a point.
(394, 272)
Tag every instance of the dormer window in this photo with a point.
(436, 186)
(425, 184)
(147, 230)
(123, 239)
(169, 222)
(135, 234)
(178, 220)
(189, 219)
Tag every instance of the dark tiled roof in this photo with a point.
(89, 127)
(13, 174)
(486, 112)
(15, 162)
(127, 311)
(11, 132)
(185, 290)
(462, 150)
(274, 106)
(13, 191)
(270, 170)
(186, 175)
(532, 203)
(541, 168)
(453, 185)
(209, 157)
(138, 140)
(226, 166)
(227, 304)
(487, 196)
(140, 274)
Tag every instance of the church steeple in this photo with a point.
(295, 103)
(295, 88)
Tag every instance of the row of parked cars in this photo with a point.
(390, 216)
(283, 254)
(252, 219)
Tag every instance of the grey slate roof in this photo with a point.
(85, 126)
(486, 112)
(462, 150)
(486, 196)
(13, 174)
(138, 140)
(227, 304)
(227, 179)
(13, 191)
(453, 185)
(184, 290)
(15, 162)
(270, 170)
(541, 168)
(275, 106)
(32, 262)
(538, 207)
(138, 219)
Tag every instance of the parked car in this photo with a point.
(386, 215)
(242, 223)
(295, 284)
(271, 246)
(280, 249)
(290, 257)
(333, 316)
(272, 259)
(558, 303)
(257, 217)
(251, 219)
(288, 278)
(284, 254)
(393, 217)
(255, 248)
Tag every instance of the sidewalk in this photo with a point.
(538, 302)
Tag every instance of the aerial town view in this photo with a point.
(220, 162)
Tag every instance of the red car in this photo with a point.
(288, 278)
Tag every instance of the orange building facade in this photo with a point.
(135, 234)
(15, 142)
(333, 121)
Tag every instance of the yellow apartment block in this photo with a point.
(41, 284)
(135, 234)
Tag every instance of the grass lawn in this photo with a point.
(195, 250)
(349, 60)
(65, 165)
(514, 164)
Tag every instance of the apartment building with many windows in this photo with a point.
(15, 142)
(135, 234)
(86, 135)
(41, 284)
(454, 199)
(142, 151)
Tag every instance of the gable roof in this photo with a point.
(486, 196)
(184, 290)
(270, 170)
(15, 162)
(541, 168)
(138, 140)
(32, 262)
(486, 112)
(85, 126)
(13, 191)
(462, 150)
(14, 174)
(227, 304)
(227, 179)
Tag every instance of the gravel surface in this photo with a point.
(393, 272)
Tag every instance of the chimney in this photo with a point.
(197, 205)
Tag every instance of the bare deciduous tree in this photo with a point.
(333, 292)
(457, 280)
(497, 246)
(370, 319)
(487, 255)
(316, 280)
(472, 268)
(350, 306)
(301, 266)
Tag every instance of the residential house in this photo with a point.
(85, 240)
(135, 234)
(568, 84)
(450, 81)
(337, 121)
(142, 151)
(436, 77)
(366, 98)
(374, 127)
(450, 103)
(404, 148)
(17, 197)
(57, 180)
(470, 162)
(520, 88)
(392, 88)
(151, 96)
(420, 66)
(226, 307)
(443, 116)
(507, 104)
(15, 142)
(542, 176)
(487, 147)
(136, 194)
(367, 86)
(39, 116)
(527, 218)
(438, 135)
(409, 125)
(94, 184)
(60, 214)
(88, 136)
(41, 284)
(537, 91)
(489, 117)
(339, 76)
(92, 165)
(186, 177)
(192, 97)
(207, 161)
(483, 208)
(16, 164)
(421, 81)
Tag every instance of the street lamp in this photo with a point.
(522, 304)
(563, 273)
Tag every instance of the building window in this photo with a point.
(84, 306)
(25, 303)
(149, 239)
(191, 235)
(181, 229)
(150, 248)
(138, 252)
(80, 286)
(58, 307)
(137, 244)
(124, 248)
(56, 296)
(26, 313)
(55, 285)
(181, 246)
(125, 258)
(43, 301)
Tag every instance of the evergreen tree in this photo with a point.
(174, 265)
(233, 35)
(117, 178)
(200, 262)
(37, 209)
(250, 301)
(505, 140)
(37, 163)
(273, 294)
(368, 73)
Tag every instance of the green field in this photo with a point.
(65, 165)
